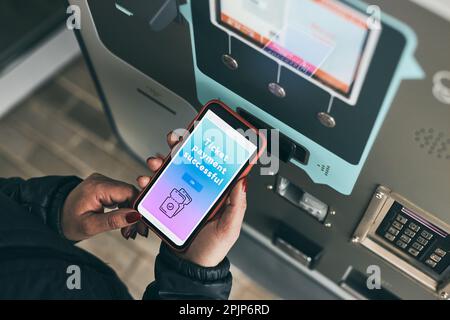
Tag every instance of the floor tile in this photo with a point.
(98, 159)
(8, 169)
(46, 161)
(15, 142)
(140, 275)
(50, 127)
(53, 98)
(78, 74)
(91, 119)
(113, 252)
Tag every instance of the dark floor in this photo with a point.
(61, 130)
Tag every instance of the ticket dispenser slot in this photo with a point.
(296, 245)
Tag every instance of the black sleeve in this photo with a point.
(176, 278)
(43, 197)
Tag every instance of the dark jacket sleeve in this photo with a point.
(43, 197)
(176, 278)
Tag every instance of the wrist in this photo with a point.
(201, 261)
(192, 269)
(59, 202)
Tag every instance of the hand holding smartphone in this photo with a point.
(193, 182)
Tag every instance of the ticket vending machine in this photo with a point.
(360, 97)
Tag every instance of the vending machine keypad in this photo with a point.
(415, 236)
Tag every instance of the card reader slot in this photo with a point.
(289, 150)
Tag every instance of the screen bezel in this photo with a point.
(236, 122)
(367, 53)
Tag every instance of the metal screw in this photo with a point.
(356, 239)
(444, 295)
(269, 187)
(333, 212)
(328, 225)
(379, 195)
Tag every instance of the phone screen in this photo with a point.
(196, 177)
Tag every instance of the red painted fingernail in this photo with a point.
(244, 185)
(133, 217)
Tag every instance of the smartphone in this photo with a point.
(218, 148)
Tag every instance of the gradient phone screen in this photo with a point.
(196, 177)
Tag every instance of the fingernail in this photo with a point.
(134, 234)
(151, 158)
(244, 185)
(146, 233)
(133, 217)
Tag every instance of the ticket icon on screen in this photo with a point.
(175, 202)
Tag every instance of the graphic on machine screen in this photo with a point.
(331, 44)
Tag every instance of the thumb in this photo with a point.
(117, 219)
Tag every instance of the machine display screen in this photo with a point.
(326, 41)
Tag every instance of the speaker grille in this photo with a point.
(325, 169)
(434, 142)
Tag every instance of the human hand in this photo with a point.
(83, 214)
(216, 238)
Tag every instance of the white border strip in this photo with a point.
(36, 67)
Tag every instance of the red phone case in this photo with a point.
(219, 205)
